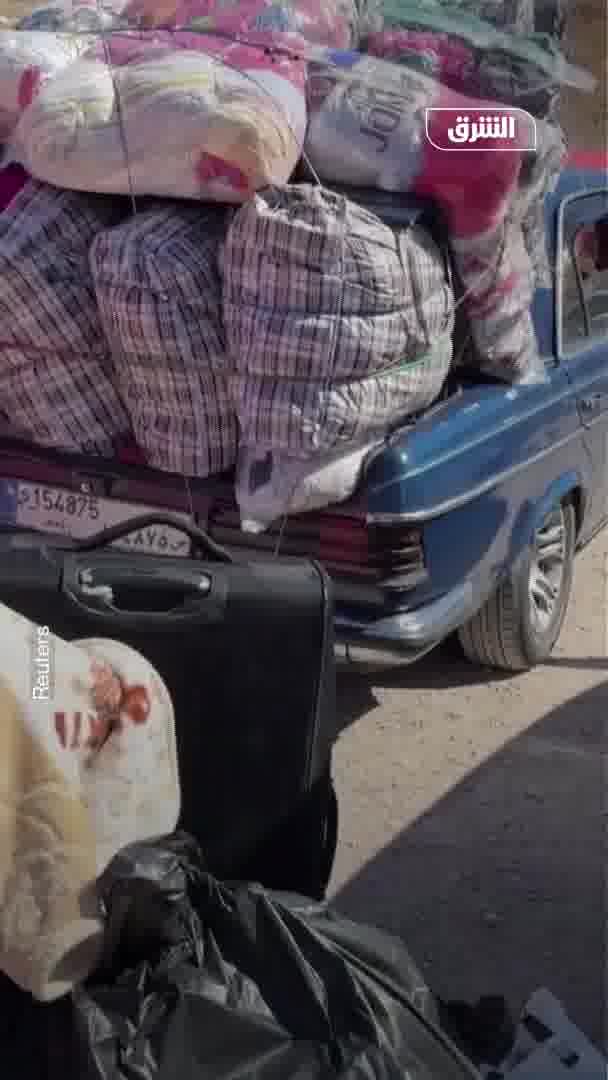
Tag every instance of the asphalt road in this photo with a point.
(472, 814)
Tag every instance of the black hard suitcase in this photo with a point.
(246, 650)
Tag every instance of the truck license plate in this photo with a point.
(58, 510)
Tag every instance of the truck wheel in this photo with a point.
(519, 625)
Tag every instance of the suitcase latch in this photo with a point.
(88, 587)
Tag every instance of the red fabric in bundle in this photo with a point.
(474, 185)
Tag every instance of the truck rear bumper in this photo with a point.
(408, 635)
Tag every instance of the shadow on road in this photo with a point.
(442, 669)
(499, 886)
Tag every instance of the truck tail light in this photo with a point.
(346, 544)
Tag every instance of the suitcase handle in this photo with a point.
(201, 541)
(204, 594)
(193, 595)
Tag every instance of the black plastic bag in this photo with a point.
(210, 981)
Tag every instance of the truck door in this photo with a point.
(582, 327)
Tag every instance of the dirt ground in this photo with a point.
(473, 807)
(472, 814)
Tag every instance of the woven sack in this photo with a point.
(158, 291)
(335, 323)
(305, 417)
(56, 379)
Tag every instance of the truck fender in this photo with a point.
(533, 512)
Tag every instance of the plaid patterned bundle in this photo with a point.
(305, 416)
(56, 377)
(158, 290)
(336, 325)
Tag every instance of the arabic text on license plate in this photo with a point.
(57, 510)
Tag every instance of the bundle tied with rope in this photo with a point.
(336, 326)
(158, 292)
(169, 114)
(56, 374)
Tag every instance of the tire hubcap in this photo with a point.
(547, 570)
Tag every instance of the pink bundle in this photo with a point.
(474, 184)
(442, 56)
(322, 22)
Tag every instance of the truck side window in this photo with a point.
(584, 277)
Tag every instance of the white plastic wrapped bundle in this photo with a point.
(367, 120)
(56, 379)
(159, 297)
(271, 484)
(181, 115)
(27, 60)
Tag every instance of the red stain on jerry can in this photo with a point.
(61, 728)
(114, 704)
(136, 704)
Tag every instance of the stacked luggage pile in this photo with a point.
(185, 262)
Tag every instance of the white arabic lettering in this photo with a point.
(460, 132)
(485, 127)
(483, 131)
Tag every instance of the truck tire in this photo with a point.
(519, 625)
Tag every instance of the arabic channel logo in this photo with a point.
(495, 128)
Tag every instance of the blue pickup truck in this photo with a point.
(478, 511)
(468, 520)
